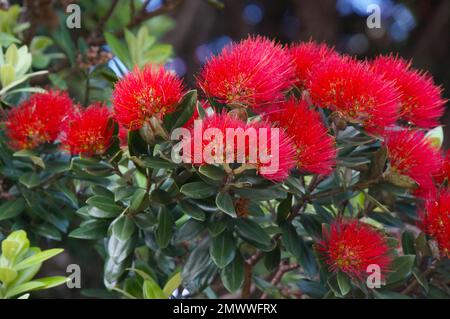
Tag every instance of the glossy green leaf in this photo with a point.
(254, 234)
(163, 233)
(12, 208)
(233, 275)
(198, 190)
(225, 203)
(223, 249)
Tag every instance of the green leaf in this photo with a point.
(33, 156)
(233, 275)
(151, 290)
(38, 258)
(223, 249)
(91, 229)
(198, 190)
(284, 209)
(12, 208)
(159, 53)
(136, 144)
(173, 283)
(104, 203)
(188, 231)
(98, 213)
(123, 228)
(192, 210)
(408, 243)
(254, 234)
(298, 248)
(183, 112)
(213, 172)
(401, 268)
(343, 283)
(312, 288)
(119, 49)
(31, 285)
(7, 74)
(163, 233)
(30, 179)
(139, 201)
(225, 203)
(50, 282)
(158, 163)
(272, 259)
(389, 295)
(7, 275)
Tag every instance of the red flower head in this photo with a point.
(251, 73)
(255, 145)
(123, 136)
(347, 86)
(89, 131)
(142, 94)
(351, 246)
(308, 55)
(315, 149)
(38, 120)
(412, 155)
(420, 98)
(436, 221)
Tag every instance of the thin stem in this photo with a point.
(282, 269)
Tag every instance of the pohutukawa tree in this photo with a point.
(356, 206)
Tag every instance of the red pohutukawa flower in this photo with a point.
(257, 145)
(421, 101)
(123, 136)
(351, 246)
(436, 221)
(145, 93)
(347, 86)
(315, 148)
(251, 73)
(38, 120)
(89, 131)
(306, 56)
(411, 154)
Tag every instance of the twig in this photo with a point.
(282, 269)
(108, 15)
(246, 286)
(413, 285)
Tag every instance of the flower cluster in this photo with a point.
(38, 120)
(315, 149)
(89, 131)
(253, 73)
(226, 139)
(436, 221)
(351, 246)
(306, 57)
(143, 94)
(348, 87)
(420, 99)
(411, 154)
